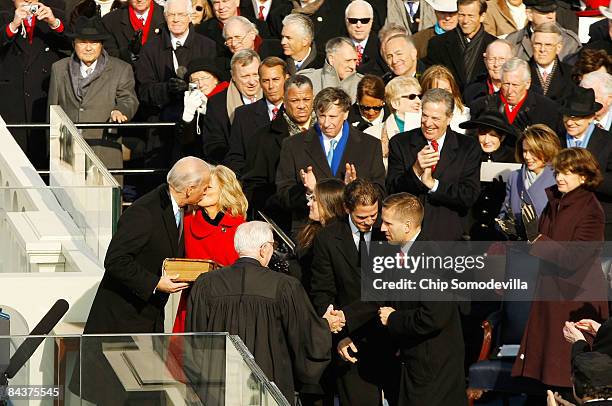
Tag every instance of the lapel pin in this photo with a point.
(319, 19)
(223, 229)
(157, 30)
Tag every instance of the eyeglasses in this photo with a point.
(375, 108)
(181, 16)
(236, 40)
(363, 21)
(411, 96)
(199, 9)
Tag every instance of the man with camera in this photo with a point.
(31, 40)
(131, 27)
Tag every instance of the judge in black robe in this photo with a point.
(270, 312)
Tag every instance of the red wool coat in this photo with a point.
(206, 241)
(576, 216)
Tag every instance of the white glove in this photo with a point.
(202, 108)
(191, 101)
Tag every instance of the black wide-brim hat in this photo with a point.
(580, 103)
(490, 119)
(543, 6)
(205, 65)
(89, 29)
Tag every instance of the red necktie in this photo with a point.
(434, 145)
(260, 16)
(359, 54)
(274, 112)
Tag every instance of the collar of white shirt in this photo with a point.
(362, 43)
(355, 232)
(327, 141)
(606, 120)
(440, 142)
(265, 3)
(85, 67)
(175, 206)
(406, 247)
(272, 107)
(143, 15)
(182, 38)
(298, 64)
(546, 69)
(246, 100)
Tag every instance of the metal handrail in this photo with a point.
(94, 125)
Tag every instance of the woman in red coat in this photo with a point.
(571, 284)
(209, 230)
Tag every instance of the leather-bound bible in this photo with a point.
(188, 270)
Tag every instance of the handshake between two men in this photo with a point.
(346, 347)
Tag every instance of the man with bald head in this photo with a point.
(133, 291)
(240, 33)
(359, 19)
(497, 53)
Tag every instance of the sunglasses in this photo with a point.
(411, 96)
(375, 108)
(359, 20)
(199, 8)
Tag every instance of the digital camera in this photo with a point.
(193, 86)
(31, 8)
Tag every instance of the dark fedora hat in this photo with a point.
(204, 65)
(542, 6)
(89, 29)
(490, 119)
(580, 103)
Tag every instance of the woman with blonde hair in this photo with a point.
(209, 229)
(403, 97)
(201, 12)
(439, 77)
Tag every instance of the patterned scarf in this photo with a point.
(294, 128)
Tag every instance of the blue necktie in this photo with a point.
(177, 217)
(578, 143)
(330, 153)
(411, 9)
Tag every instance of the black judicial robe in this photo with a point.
(272, 315)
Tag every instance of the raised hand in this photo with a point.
(530, 221)
(350, 173)
(45, 14)
(343, 348)
(308, 179)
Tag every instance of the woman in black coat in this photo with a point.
(491, 129)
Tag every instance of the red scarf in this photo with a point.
(490, 86)
(511, 115)
(137, 24)
(257, 43)
(221, 86)
(30, 28)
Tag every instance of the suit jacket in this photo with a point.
(328, 77)
(599, 31)
(458, 173)
(446, 50)
(600, 146)
(155, 67)
(561, 82)
(117, 23)
(521, 42)
(536, 109)
(328, 21)
(371, 61)
(498, 19)
(303, 150)
(247, 120)
(477, 89)
(215, 129)
(125, 301)
(314, 60)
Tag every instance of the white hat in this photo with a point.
(606, 11)
(447, 6)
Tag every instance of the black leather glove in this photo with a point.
(135, 44)
(530, 221)
(508, 225)
(176, 85)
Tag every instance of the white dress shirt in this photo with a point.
(267, 4)
(327, 141)
(298, 64)
(548, 69)
(84, 68)
(271, 108)
(355, 232)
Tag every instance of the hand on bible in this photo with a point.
(335, 319)
(166, 284)
(343, 348)
(384, 313)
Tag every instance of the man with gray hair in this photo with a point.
(133, 291)
(239, 33)
(297, 41)
(339, 70)
(270, 311)
(244, 89)
(515, 101)
(601, 83)
(437, 165)
(332, 149)
(401, 56)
